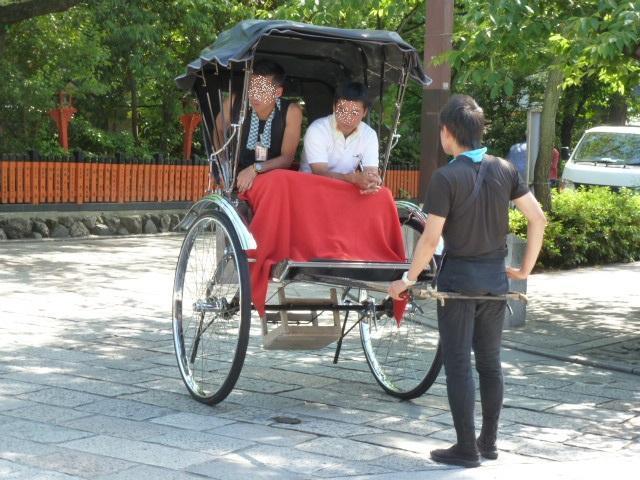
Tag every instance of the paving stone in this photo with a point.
(192, 421)
(85, 465)
(125, 409)
(60, 397)
(399, 441)
(281, 458)
(542, 419)
(209, 443)
(598, 414)
(350, 469)
(23, 451)
(319, 426)
(40, 432)
(405, 461)
(347, 449)
(285, 375)
(329, 412)
(11, 403)
(44, 413)
(601, 391)
(145, 472)
(136, 451)
(234, 467)
(98, 387)
(182, 402)
(263, 434)
(552, 451)
(517, 401)
(619, 430)
(118, 427)
(599, 442)
(13, 387)
(401, 424)
(262, 400)
(558, 435)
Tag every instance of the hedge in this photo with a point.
(588, 227)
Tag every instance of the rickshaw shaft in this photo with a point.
(318, 306)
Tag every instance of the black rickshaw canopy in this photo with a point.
(311, 52)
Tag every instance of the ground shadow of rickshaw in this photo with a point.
(212, 305)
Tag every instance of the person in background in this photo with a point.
(553, 171)
(518, 157)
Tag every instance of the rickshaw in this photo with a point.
(212, 307)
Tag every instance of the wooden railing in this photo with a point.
(25, 180)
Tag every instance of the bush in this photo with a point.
(588, 227)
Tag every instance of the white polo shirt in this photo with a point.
(324, 143)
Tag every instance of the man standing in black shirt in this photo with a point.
(468, 203)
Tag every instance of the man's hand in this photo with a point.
(396, 288)
(516, 273)
(368, 182)
(246, 178)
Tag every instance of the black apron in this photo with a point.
(477, 275)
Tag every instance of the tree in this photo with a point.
(565, 42)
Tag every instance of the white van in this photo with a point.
(605, 156)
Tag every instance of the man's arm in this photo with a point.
(366, 180)
(425, 248)
(290, 140)
(530, 208)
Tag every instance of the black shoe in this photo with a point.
(456, 456)
(490, 452)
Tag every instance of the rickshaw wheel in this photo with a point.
(211, 308)
(405, 359)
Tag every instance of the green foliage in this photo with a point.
(588, 227)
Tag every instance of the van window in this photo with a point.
(609, 147)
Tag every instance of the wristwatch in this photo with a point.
(258, 167)
(406, 281)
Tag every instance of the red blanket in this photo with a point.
(303, 217)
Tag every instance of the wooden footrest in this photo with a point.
(300, 337)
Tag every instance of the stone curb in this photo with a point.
(92, 237)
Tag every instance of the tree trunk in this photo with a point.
(133, 88)
(547, 136)
(617, 110)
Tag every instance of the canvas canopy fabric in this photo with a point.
(310, 52)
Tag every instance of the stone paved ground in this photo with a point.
(89, 387)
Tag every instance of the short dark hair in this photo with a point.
(353, 92)
(464, 119)
(270, 69)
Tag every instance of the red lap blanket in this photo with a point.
(302, 217)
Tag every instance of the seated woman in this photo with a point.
(341, 145)
(271, 132)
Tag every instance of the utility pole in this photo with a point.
(437, 40)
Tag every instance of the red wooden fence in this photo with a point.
(105, 180)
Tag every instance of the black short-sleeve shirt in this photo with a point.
(481, 230)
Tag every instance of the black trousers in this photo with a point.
(467, 325)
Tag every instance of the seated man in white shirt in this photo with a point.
(341, 145)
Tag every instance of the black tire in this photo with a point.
(211, 308)
(405, 359)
